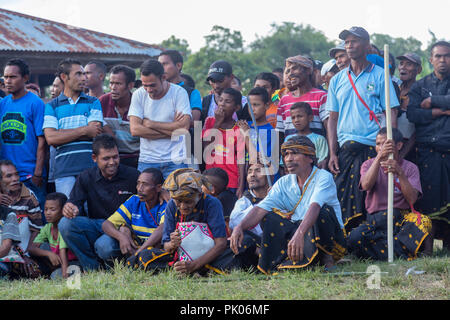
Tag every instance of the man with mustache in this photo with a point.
(356, 96)
(71, 121)
(298, 71)
(115, 106)
(104, 188)
(138, 222)
(429, 110)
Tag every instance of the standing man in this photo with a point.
(429, 110)
(22, 138)
(220, 76)
(115, 106)
(353, 127)
(71, 121)
(158, 111)
(299, 70)
(172, 61)
(95, 74)
(57, 88)
(104, 187)
(409, 67)
(339, 54)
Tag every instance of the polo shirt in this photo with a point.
(63, 113)
(103, 196)
(120, 125)
(319, 188)
(354, 119)
(134, 213)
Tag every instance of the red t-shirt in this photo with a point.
(226, 148)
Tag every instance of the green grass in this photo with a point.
(348, 282)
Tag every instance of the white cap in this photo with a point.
(327, 67)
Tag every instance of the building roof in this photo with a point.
(20, 32)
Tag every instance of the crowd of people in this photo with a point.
(292, 174)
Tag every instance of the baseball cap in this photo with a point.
(339, 47)
(356, 31)
(414, 58)
(327, 67)
(218, 70)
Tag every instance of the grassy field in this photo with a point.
(350, 282)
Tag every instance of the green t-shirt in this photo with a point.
(45, 235)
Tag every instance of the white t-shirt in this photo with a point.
(162, 110)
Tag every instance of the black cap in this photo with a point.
(414, 58)
(219, 69)
(356, 31)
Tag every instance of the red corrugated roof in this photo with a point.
(22, 32)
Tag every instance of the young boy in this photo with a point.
(271, 83)
(222, 142)
(302, 115)
(219, 181)
(369, 239)
(59, 254)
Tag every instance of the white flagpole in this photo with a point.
(390, 221)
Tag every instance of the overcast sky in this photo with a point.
(153, 21)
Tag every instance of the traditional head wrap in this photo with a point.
(297, 142)
(301, 60)
(185, 183)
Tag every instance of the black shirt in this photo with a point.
(103, 196)
(228, 199)
(429, 131)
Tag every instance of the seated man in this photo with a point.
(189, 208)
(104, 187)
(138, 223)
(258, 189)
(369, 240)
(300, 217)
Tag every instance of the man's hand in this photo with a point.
(37, 180)
(184, 267)
(391, 165)
(30, 268)
(426, 104)
(175, 241)
(55, 260)
(93, 129)
(387, 148)
(243, 126)
(236, 239)
(70, 210)
(127, 246)
(5, 200)
(295, 247)
(333, 164)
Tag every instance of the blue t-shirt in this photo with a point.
(134, 212)
(195, 99)
(213, 216)
(354, 119)
(63, 113)
(21, 124)
(265, 136)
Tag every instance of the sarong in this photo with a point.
(326, 235)
(156, 260)
(434, 167)
(351, 157)
(369, 240)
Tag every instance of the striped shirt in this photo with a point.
(134, 212)
(64, 113)
(28, 206)
(316, 98)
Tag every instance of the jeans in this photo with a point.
(65, 184)
(107, 248)
(165, 167)
(81, 235)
